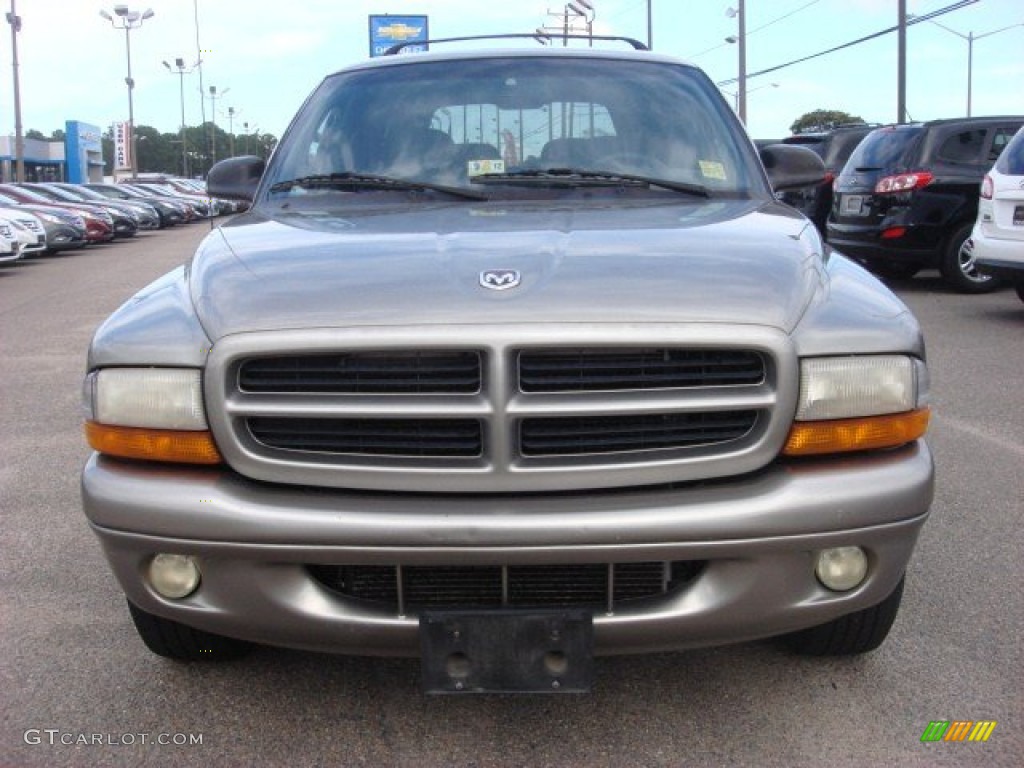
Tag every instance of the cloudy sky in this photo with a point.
(264, 56)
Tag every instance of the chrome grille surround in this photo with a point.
(501, 407)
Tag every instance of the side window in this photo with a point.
(1011, 162)
(1000, 139)
(964, 147)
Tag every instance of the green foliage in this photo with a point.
(823, 120)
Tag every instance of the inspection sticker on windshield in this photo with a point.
(480, 167)
(711, 169)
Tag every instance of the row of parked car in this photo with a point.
(47, 217)
(946, 194)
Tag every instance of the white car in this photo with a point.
(10, 247)
(998, 236)
(28, 229)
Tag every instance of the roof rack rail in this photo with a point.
(637, 45)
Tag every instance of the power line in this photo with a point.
(757, 29)
(915, 20)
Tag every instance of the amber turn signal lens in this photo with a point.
(183, 447)
(868, 433)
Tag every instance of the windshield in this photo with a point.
(467, 123)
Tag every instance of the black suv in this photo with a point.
(908, 197)
(834, 146)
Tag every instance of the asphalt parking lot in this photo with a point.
(79, 688)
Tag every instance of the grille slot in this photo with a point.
(578, 435)
(597, 585)
(372, 372)
(603, 370)
(440, 438)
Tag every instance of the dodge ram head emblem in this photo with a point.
(499, 279)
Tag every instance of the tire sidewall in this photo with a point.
(953, 269)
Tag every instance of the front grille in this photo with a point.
(604, 370)
(617, 434)
(397, 372)
(445, 438)
(500, 408)
(599, 586)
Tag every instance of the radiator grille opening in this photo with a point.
(423, 438)
(588, 585)
(601, 370)
(386, 372)
(581, 435)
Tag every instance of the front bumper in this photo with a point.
(757, 535)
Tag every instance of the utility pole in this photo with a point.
(19, 139)
(901, 57)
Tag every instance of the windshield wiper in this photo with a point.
(576, 177)
(349, 180)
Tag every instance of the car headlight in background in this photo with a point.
(859, 403)
(154, 414)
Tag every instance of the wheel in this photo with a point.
(1019, 288)
(958, 267)
(176, 641)
(858, 632)
(894, 270)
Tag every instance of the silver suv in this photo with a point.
(515, 361)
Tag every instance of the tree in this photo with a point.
(32, 133)
(823, 120)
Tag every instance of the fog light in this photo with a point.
(174, 576)
(841, 568)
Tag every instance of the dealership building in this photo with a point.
(79, 158)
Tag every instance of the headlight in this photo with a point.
(859, 403)
(148, 413)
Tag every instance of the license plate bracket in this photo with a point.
(853, 205)
(507, 651)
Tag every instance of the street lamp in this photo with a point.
(213, 122)
(129, 20)
(585, 9)
(181, 70)
(741, 39)
(231, 130)
(970, 37)
(19, 140)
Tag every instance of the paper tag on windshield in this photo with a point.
(479, 167)
(711, 169)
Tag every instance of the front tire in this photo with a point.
(854, 633)
(182, 643)
(959, 269)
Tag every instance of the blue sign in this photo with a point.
(386, 31)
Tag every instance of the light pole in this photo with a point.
(19, 140)
(585, 9)
(741, 82)
(180, 70)
(213, 122)
(129, 20)
(970, 37)
(231, 130)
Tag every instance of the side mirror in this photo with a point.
(790, 166)
(236, 178)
